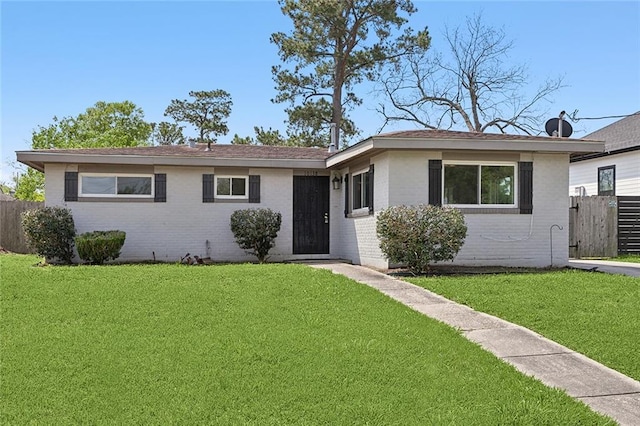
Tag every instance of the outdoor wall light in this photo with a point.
(336, 181)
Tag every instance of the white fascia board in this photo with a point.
(550, 146)
(351, 152)
(38, 159)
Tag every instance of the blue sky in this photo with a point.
(58, 58)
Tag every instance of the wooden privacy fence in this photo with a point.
(604, 226)
(11, 233)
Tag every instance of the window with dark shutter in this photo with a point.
(525, 176)
(347, 208)
(71, 186)
(254, 188)
(370, 189)
(435, 182)
(208, 188)
(160, 188)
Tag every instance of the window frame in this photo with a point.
(612, 191)
(231, 196)
(364, 190)
(82, 194)
(480, 164)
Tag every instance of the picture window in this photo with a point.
(102, 185)
(467, 184)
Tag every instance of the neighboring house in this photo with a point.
(616, 171)
(173, 200)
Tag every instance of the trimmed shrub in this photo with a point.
(50, 232)
(256, 230)
(98, 247)
(418, 235)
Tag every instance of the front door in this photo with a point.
(311, 215)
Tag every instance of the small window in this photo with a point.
(102, 185)
(231, 187)
(361, 191)
(479, 184)
(607, 180)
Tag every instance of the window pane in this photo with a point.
(357, 191)
(223, 186)
(365, 189)
(134, 185)
(99, 185)
(238, 186)
(460, 184)
(606, 181)
(497, 184)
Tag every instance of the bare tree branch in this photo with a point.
(473, 87)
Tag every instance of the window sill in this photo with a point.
(230, 200)
(359, 213)
(115, 200)
(489, 210)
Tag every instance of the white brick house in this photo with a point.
(173, 200)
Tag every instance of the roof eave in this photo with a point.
(376, 144)
(38, 159)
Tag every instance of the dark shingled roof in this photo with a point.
(622, 134)
(217, 151)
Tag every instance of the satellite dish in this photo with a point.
(551, 127)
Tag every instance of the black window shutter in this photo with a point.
(370, 189)
(71, 186)
(347, 208)
(435, 182)
(208, 189)
(525, 174)
(160, 188)
(254, 188)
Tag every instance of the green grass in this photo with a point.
(243, 344)
(631, 258)
(595, 314)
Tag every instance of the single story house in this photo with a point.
(174, 200)
(616, 171)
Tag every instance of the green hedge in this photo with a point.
(256, 230)
(98, 247)
(418, 235)
(50, 232)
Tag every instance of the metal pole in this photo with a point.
(551, 239)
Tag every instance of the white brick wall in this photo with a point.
(493, 239)
(520, 239)
(183, 224)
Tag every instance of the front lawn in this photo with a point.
(593, 313)
(243, 344)
(631, 258)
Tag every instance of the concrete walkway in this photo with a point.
(601, 388)
(609, 266)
